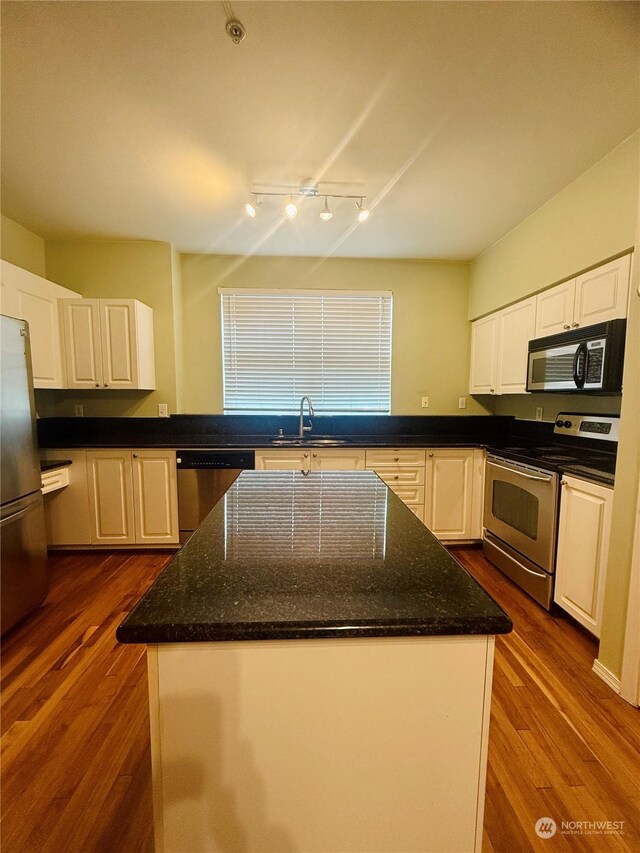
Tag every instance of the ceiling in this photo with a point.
(143, 120)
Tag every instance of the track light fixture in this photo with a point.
(363, 212)
(252, 206)
(291, 209)
(306, 189)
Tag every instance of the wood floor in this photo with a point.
(75, 743)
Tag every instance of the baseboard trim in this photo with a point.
(606, 675)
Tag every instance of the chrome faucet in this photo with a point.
(304, 428)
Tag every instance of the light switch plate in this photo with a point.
(462, 402)
(79, 410)
(163, 410)
(539, 413)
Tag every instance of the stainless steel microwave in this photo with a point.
(584, 360)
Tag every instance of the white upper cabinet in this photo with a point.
(484, 355)
(593, 297)
(499, 349)
(554, 311)
(602, 293)
(35, 299)
(109, 344)
(517, 326)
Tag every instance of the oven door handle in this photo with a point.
(519, 472)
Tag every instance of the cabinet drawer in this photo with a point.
(410, 494)
(417, 510)
(400, 476)
(56, 478)
(388, 458)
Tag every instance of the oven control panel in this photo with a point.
(587, 426)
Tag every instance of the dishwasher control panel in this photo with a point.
(216, 459)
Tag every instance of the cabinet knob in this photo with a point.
(492, 390)
(566, 326)
(305, 455)
(397, 477)
(396, 458)
(575, 325)
(314, 455)
(430, 454)
(135, 455)
(563, 482)
(97, 384)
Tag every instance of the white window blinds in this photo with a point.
(334, 346)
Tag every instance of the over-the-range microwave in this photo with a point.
(583, 360)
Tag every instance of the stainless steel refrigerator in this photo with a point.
(23, 545)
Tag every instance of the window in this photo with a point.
(334, 346)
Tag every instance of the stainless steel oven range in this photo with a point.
(521, 498)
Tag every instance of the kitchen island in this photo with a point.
(319, 676)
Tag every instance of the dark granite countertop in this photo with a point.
(329, 554)
(49, 464)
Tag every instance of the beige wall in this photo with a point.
(592, 219)
(430, 330)
(589, 221)
(21, 247)
(123, 269)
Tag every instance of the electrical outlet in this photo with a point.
(462, 402)
(425, 402)
(539, 413)
(79, 410)
(163, 410)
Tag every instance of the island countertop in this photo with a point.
(287, 555)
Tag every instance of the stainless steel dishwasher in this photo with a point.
(203, 478)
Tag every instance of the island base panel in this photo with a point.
(320, 745)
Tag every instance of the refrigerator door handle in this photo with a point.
(14, 516)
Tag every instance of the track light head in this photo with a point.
(291, 208)
(252, 206)
(363, 212)
(325, 213)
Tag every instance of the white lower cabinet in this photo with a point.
(114, 498)
(155, 497)
(310, 460)
(583, 544)
(449, 493)
(66, 512)
(443, 487)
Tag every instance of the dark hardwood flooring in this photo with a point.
(75, 742)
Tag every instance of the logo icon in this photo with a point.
(546, 827)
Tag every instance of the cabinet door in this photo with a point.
(283, 460)
(338, 460)
(111, 497)
(554, 309)
(517, 328)
(449, 493)
(155, 497)
(119, 343)
(82, 343)
(484, 355)
(583, 543)
(602, 293)
(35, 299)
